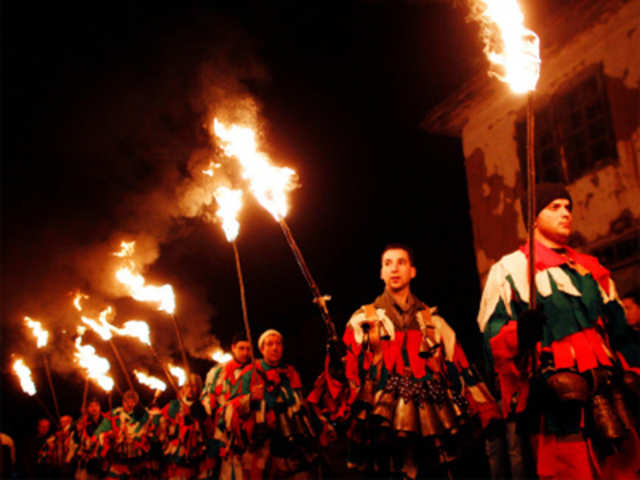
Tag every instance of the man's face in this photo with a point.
(93, 409)
(272, 349)
(241, 351)
(65, 421)
(554, 221)
(128, 403)
(632, 311)
(396, 271)
(43, 427)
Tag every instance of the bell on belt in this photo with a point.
(446, 415)
(385, 403)
(430, 423)
(428, 346)
(569, 386)
(605, 418)
(405, 418)
(365, 394)
(620, 406)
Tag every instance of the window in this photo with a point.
(573, 132)
(622, 251)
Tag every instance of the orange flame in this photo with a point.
(137, 329)
(229, 204)
(149, 381)
(221, 356)
(102, 327)
(41, 334)
(24, 374)
(178, 373)
(76, 301)
(135, 283)
(210, 171)
(513, 49)
(126, 249)
(96, 367)
(268, 183)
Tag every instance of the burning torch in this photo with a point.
(26, 382)
(42, 337)
(269, 184)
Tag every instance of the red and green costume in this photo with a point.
(584, 331)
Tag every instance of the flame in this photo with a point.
(96, 367)
(178, 373)
(212, 166)
(102, 327)
(150, 381)
(269, 184)
(147, 293)
(24, 374)
(137, 329)
(221, 356)
(229, 204)
(509, 45)
(126, 249)
(76, 301)
(41, 334)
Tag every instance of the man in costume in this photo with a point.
(124, 438)
(567, 367)
(225, 397)
(181, 431)
(407, 387)
(87, 442)
(631, 303)
(280, 429)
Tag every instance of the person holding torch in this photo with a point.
(585, 363)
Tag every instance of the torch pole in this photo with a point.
(50, 380)
(319, 299)
(44, 407)
(182, 349)
(531, 200)
(124, 369)
(243, 300)
(85, 392)
(164, 369)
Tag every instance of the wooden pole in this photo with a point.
(243, 300)
(50, 380)
(116, 353)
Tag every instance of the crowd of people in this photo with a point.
(558, 397)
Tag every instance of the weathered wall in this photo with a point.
(493, 172)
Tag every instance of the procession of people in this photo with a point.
(557, 398)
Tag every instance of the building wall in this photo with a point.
(600, 198)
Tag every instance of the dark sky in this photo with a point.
(104, 108)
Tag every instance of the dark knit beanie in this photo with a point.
(546, 193)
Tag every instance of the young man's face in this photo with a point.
(554, 221)
(272, 349)
(397, 271)
(241, 351)
(128, 403)
(93, 409)
(632, 311)
(43, 427)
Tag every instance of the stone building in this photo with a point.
(587, 130)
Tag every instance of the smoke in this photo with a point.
(131, 151)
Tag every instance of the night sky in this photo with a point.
(106, 111)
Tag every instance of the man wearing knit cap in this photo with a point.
(279, 427)
(565, 370)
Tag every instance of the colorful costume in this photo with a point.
(124, 440)
(271, 438)
(58, 452)
(415, 382)
(87, 444)
(582, 358)
(182, 439)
